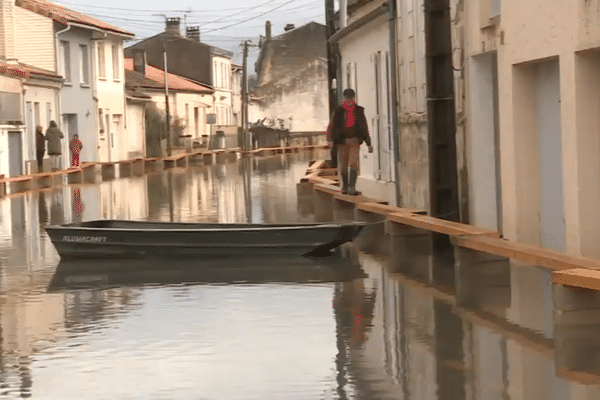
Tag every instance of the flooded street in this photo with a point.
(379, 320)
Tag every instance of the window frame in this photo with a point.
(116, 62)
(101, 61)
(84, 65)
(65, 61)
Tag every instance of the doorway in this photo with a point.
(381, 66)
(485, 196)
(15, 153)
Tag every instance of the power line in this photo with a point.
(153, 10)
(250, 19)
(240, 12)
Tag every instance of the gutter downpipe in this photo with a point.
(393, 14)
(58, 103)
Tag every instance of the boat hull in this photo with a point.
(128, 239)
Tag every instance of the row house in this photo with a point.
(189, 102)
(87, 53)
(529, 74)
(200, 63)
(30, 95)
(362, 42)
(36, 91)
(497, 121)
(65, 76)
(398, 57)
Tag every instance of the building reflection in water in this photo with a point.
(413, 326)
(426, 341)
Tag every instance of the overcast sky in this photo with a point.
(223, 23)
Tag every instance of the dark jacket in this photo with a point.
(40, 142)
(336, 127)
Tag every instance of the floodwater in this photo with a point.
(381, 319)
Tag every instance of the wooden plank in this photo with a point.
(326, 188)
(328, 172)
(357, 199)
(319, 180)
(440, 225)
(384, 209)
(584, 378)
(578, 277)
(21, 178)
(316, 165)
(531, 254)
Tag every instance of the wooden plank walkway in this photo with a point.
(578, 277)
(450, 228)
(385, 209)
(531, 254)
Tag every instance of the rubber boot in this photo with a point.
(352, 183)
(345, 182)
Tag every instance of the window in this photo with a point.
(37, 118)
(48, 113)
(215, 70)
(84, 66)
(65, 58)
(197, 121)
(495, 8)
(101, 61)
(187, 115)
(348, 76)
(116, 131)
(116, 60)
(101, 121)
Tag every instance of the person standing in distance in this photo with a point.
(40, 147)
(53, 136)
(76, 147)
(348, 129)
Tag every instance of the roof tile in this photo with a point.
(175, 82)
(64, 15)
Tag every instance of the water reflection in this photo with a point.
(337, 267)
(389, 317)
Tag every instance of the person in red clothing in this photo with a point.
(76, 147)
(347, 131)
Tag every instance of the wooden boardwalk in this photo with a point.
(582, 272)
(94, 171)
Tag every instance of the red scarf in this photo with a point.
(350, 118)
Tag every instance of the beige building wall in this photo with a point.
(412, 93)
(537, 43)
(135, 144)
(177, 108)
(37, 47)
(110, 91)
(361, 50)
(222, 83)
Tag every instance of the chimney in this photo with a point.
(268, 30)
(289, 27)
(172, 26)
(193, 33)
(139, 61)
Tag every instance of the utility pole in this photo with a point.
(245, 134)
(331, 64)
(395, 99)
(169, 149)
(167, 110)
